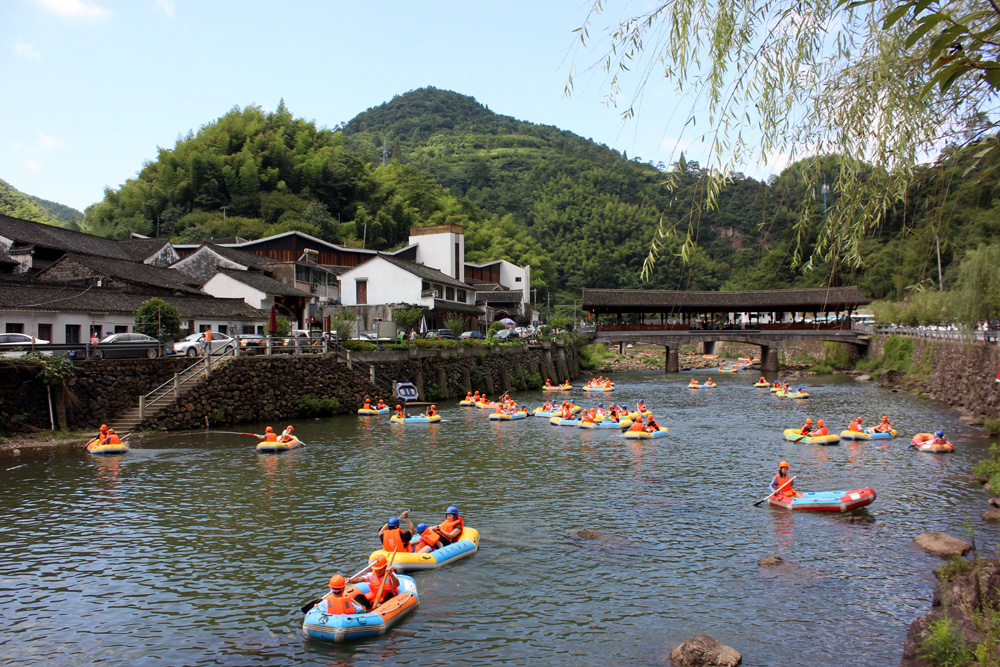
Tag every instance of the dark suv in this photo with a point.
(440, 333)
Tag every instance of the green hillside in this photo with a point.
(580, 213)
(19, 205)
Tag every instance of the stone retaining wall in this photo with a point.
(962, 375)
(261, 388)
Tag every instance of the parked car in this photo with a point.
(440, 333)
(252, 343)
(123, 346)
(17, 344)
(473, 334)
(505, 335)
(191, 345)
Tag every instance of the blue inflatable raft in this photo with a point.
(343, 627)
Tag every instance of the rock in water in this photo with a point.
(942, 545)
(704, 651)
(770, 561)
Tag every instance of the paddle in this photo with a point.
(756, 504)
(312, 603)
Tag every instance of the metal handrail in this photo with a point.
(203, 364)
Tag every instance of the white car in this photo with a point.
(18, 344)
(191, 345)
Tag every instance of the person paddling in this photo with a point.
(339, 603)
(394, 539)
(782, 484)
(380, 572)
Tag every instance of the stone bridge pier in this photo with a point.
(769, 358)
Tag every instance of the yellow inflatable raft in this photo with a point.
(466, 545)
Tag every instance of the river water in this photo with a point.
(193, 549)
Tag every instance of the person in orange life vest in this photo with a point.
(381, 405)
(269, 435)
(692, 383)
(380, 571)
(567, 412)
(762, 380)
(339, 603)
(548, 382)
(589, 417)
(855, 425)
(807, 427)
(783, 480)
(607, 384)
(111, 438)
(548, 406)
(102, 433)
(368, 404)
(776, 385)
(786, 387)
(468, 396)
(394, 539)
(432, 411)
(651, 424)
(885, 425)
(286, 435)
(451, 528)
(637, 425)
(821, 428)
(709, 381)
(429, 540)
(476, 397)
(400, 412)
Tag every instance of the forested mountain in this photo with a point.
(19, 205)
(580, 213)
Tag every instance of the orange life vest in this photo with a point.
(339, 604)
(392, 540)
(778, 481)
(368, 404)
(448, 526)
(270, 437)
(374, 581)
(637, 426)
(427, 538)
(854, 426)
(822, 430)
(806, 428)
(113, 439)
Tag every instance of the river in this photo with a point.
(193, 549)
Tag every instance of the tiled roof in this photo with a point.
(136, 273)
(139, 250)
(48, 297)
(424, 272)
(49, 236)
(441, 305)
(240, 257)
(808, 300)
(259, 281)
(499, 296)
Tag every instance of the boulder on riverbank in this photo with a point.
(941, 544)
(704, 651)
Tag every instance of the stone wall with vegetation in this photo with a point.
(259, 388)
(963, 375)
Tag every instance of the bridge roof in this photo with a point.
(681, 301)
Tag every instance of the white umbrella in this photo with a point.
(423, 324)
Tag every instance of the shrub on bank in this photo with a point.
(309, 406)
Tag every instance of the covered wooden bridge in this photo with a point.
(766, 318)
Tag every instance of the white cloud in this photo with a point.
(48, 144)
(32, 165)
(165, 6)
(16, 146)
(27, 51)
(86, 9)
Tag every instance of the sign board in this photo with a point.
(405, 391)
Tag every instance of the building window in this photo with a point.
(517, 279)
(302, 274)
(121, 328)
(461, 295)
(72, 333)
(15, 327)
(362, 292)
(450, 294)
(425, 286)
(45, 332)
(99, 330)
(223, 329)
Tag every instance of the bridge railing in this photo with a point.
(960, 335)
(777, 326)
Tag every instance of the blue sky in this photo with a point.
(93, 87)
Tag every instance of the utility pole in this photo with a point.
(937, 239)
(548, 307)
(223, 212)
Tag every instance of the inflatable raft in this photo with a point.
(273, 447)
(881, 435)
(559, 421)
(644, 435)
(466, 404)
(867, 434)
(635, 415)
(693, 384)
(795, 435)
(710, 385)
(825, 501)
(925, 443)
(558, 387)
(94, 447)
(761, 385)
(601, 388)
(343, 627)
(418, 419)
(729, 370)
(606, 423)
(371, 412)
(466, 545)
(506, 417)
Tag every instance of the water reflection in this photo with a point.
(194, 549)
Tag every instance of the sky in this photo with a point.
(91, 88)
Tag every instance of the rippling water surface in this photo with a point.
(195, 550)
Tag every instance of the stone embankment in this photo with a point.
(262, 388)
(963, 375)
